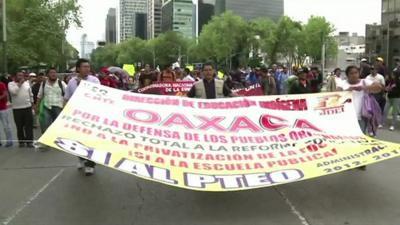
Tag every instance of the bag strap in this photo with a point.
(61, 87)
(43, 85)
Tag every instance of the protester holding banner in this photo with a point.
(167, 75)
(146, 78)
(83, 70)
(209, 87)
(359, 87)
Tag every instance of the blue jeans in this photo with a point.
(395, 103)
(50, 115)
(6, 123)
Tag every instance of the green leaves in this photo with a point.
(36, 32)
(227, 40)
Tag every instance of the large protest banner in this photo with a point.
(216, 145)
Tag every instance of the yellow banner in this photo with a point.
(216, 145)
(130, 68)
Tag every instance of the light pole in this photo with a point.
(5, 38)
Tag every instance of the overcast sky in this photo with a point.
(346, 15)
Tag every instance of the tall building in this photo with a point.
(249, 9)
(141, 25)
(384, 40)
(154, 18)
(177, 15)
(128, 11)
(111, 26)
(87, 47)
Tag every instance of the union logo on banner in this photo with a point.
(332, 104)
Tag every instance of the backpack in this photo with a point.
(59, 84)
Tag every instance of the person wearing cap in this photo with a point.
(106, 79)
(364, 68)
(380, 66)
(268, 84)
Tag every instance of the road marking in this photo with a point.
(32, 198)
(293, 209)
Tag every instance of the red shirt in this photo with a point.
(108, 82)
(3, 101)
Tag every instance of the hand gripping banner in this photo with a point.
(216, 145)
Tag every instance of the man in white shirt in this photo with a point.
(22, 100)
(52, 92)
(83, 70)
(375, 77)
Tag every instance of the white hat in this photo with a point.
(364, 60)
(32, 74)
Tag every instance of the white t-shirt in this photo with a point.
(378, 79)
(21, 97)
(357, 95)
(338, 81)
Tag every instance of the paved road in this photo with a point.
(44, 188)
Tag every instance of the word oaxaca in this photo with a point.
(268, 141)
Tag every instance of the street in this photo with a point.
(45, 188)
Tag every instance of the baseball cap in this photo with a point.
(379, 59)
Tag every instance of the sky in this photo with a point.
(345, 15)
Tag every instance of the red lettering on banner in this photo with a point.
(285, 105)
(267, 121)
(242, 122)
(212, 122)
(152, 116)
(178, 119)
(304, 124)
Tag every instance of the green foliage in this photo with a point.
(227, 40)
(317, 31)
(36, 32)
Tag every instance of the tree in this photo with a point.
(169, 47)
(316, 32)
(132, 51)
(105, 56)
(36, 31)
(223, 38)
